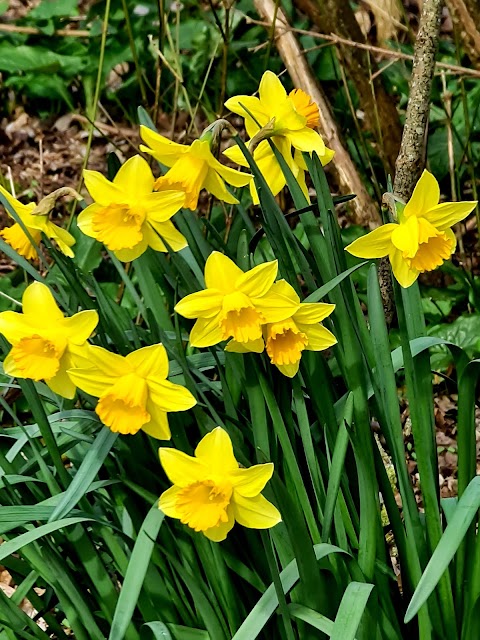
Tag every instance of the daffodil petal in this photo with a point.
(162, 205)
(20, 208)
(206, 333)
(180, 468)
(313, 312)
(61, 236)
(232, 176)
(271, 91)
(132, 253)
(220, 532)
(425, 196)
(39, 303)
(62, 384)
(102, 190)
(154, 241)
(453, 238)
(15, 326)
(92, 381)
(404, 275)
(111, 364)
(221, 273)
(246, 105)
(284, 288)
(158, 426)
(327, 156)
(168, 501)
(81, 325)
(270, 169)
(406, 236)
(258, 281)
(135, 178)
(214, 184)
(168, 396)
(164, 150)
(168, 233)
(289, 370)
(10, 367)
(252, 346)
(319, 337)
(86, 217)
(235, 154)
(202, 304)
(376, 244)
(307, 140)
(255, 513)
(250, 482)
(447, 214)
(215, 451)
(149, 361)
(275, 307)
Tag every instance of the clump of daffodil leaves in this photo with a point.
(251, 310)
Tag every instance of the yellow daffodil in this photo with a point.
(133, 390)
(289, 120)
(422, 240)
(193, 168)
(235, 304)
(127, 216)
(211, 491)
(16, 237)
(45, 344)
(286, 340)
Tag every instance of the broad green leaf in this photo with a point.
(12, 546)
(258, 617)
(85, 475)
(313, 618)
(351, 611)
(461, 519)
(328, 286)
(135, 575)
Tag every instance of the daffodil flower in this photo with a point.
(210, 491)
(193, 168)
(16, 237)
(45, 344)
(127, 216)
(289, 121)
(422, 240)
(133, 390)
(235, 304)
(286, 340)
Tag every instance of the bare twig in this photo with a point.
(363, 208)
(33, 31)
(410, 160)
(381, 51)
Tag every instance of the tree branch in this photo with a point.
(411, 158)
